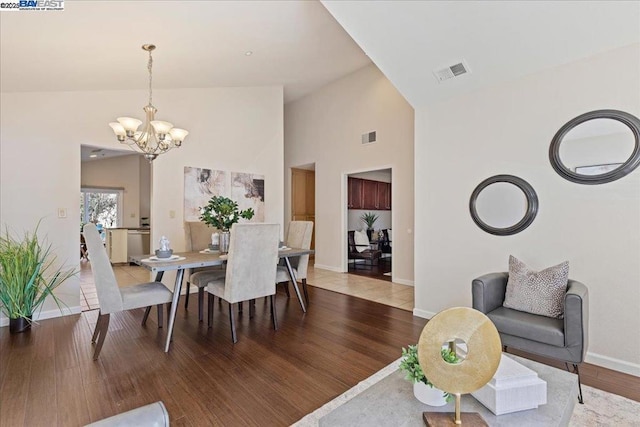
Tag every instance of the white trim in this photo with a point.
(49, 314)
(423, 313)
(615, 364)
(328, 267)
(403, 282)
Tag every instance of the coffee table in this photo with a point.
(390, 402)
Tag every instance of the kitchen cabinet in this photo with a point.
(367, 194)
(116, 244)
(384, 195)
(355, 193)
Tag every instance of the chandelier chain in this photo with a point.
(149, 67)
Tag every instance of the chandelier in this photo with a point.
(155, 137)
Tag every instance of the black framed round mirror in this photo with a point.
(596, 147)
(503, 205)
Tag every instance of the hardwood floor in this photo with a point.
(269, 378)
(375, 271)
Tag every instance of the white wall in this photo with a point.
(508, 129)
(325, 128)
(117, 172)
(237, 129)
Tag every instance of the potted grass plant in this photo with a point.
(369, 218)
(28, 275)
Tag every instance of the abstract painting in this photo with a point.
(247, 190)
(199, 186)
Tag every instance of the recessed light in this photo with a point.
(93, 155)
(248, 53)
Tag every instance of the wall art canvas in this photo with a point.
(200, 185)
(248, 190)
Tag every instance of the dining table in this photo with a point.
(179, 262)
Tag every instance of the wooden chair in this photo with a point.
(368, 254)
(298, 236)
(251, 270)
(111, 297)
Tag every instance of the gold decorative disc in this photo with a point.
(483, 350)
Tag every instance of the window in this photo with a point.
(102, 206)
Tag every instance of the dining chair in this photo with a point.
(251, 270)
(197, 237)
(111, 297)
(298, 236)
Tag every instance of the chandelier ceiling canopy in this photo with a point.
(156, 137)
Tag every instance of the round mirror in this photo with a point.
(597, 147)
(503, 205)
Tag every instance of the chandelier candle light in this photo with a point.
(156, 137)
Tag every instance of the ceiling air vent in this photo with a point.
(369, 137)
(451, 71)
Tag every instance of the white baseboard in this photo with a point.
(615, 364)
(404, 282)
(423, 313)
(49, 314)
(328, 267)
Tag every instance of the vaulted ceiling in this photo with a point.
(95, 45)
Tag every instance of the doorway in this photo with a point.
(303, 196)
(115, 194)
(369, 218)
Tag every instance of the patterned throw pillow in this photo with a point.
(361, 240)
(537, 292)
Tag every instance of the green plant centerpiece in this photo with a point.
(28, 275)
(222, 212)
(369, 218)
(413, 372)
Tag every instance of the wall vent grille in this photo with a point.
(369, 137)
(451, 71)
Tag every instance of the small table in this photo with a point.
(390, 402)
(197, 259)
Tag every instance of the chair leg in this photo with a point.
(504, 348)
(576, 371)
(286, 288)
(160, 321)
(274, 318)
(306, 293)
(186, 297)
(232, 320)
(210, 310)
(104, 327)
(201, 303)
(240, 307)
(252, 308)
(96, 331)
(146, 315)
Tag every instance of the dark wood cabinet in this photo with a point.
(384, 195)
(355, 194)
(367, 194)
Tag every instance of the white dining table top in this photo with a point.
(199, 259)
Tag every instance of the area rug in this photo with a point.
(600, 408)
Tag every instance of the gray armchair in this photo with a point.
(563, 339)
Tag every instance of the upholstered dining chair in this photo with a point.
(251, 270)
(564, 339)
(197, 236)
(111, 297)
(298, 236)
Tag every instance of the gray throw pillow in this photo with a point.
(537, 292)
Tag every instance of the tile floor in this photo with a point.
(393, 294)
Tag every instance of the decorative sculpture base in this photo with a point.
(447, 419)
